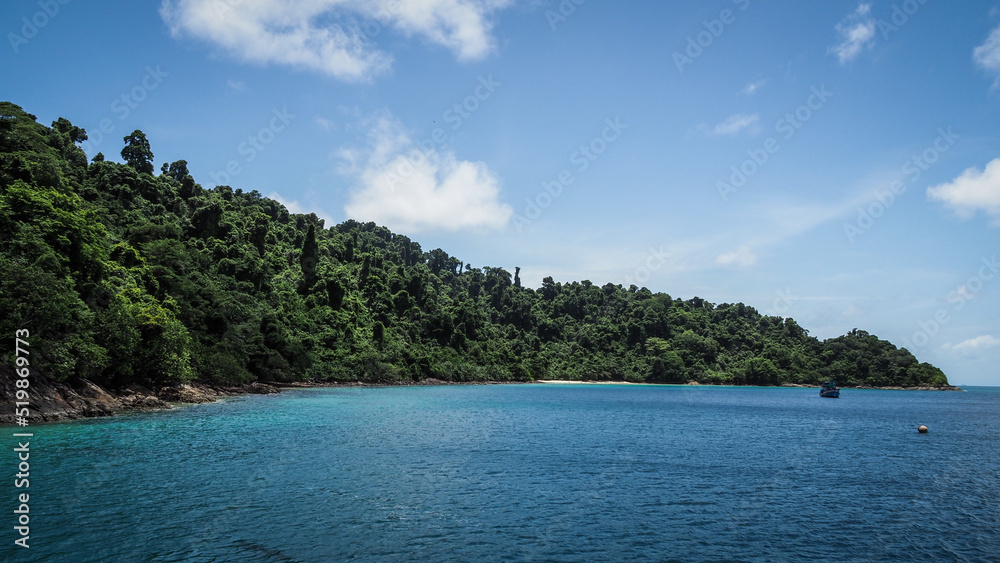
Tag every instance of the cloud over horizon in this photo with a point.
(978, 343)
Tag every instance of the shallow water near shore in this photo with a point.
(525, 472)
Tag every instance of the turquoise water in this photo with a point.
(525, 472)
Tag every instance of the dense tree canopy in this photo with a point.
(136, 153)
(122, 277)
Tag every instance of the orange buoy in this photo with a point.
(922, 429)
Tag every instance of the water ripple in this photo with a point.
(527, 473)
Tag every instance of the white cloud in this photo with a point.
(460, 25)
(295, 207)
(325, 123)
(987, 55)
(857, 33)
(742, 257)
(972, 190)
(733, 124)
(977, 343)
(411, 189)
(752, 88)
(236, 85)
(333, 37)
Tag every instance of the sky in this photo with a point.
(835, 162)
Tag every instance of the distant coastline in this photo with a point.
(57, 401)
(696, 384)
(148, 280)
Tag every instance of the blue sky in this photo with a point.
(835, 162)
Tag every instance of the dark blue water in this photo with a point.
(525, 472)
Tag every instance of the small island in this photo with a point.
(142, 288)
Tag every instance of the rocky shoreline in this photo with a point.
(52, 401)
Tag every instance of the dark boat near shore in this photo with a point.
(830, 390)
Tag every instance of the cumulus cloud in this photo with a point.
(972, 190)
(742, 257)
(461, 25)
(978, 343)
(334, 37)
(413, 188)
(987, 55)
(857, 33)
(733, 124)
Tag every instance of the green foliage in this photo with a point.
(124, 277)
(137, 152)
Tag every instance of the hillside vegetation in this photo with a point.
(123, 275)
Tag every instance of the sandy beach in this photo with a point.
(589, 382)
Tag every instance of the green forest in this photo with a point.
(125, 273)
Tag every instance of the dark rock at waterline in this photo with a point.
(51, 401)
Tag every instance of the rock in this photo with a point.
(141, 402)
(188, 393)
(432, 381)
(257, 388)
(55, 400)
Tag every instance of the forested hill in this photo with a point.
(125, 274)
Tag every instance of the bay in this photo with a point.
(526, 473)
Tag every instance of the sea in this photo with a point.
(538, 472)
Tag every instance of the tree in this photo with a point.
(135, 278)
(760, 371)
(76, 134)
(137, 153)
(310, 255)
(177, 170)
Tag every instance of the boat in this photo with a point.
(830, 390)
